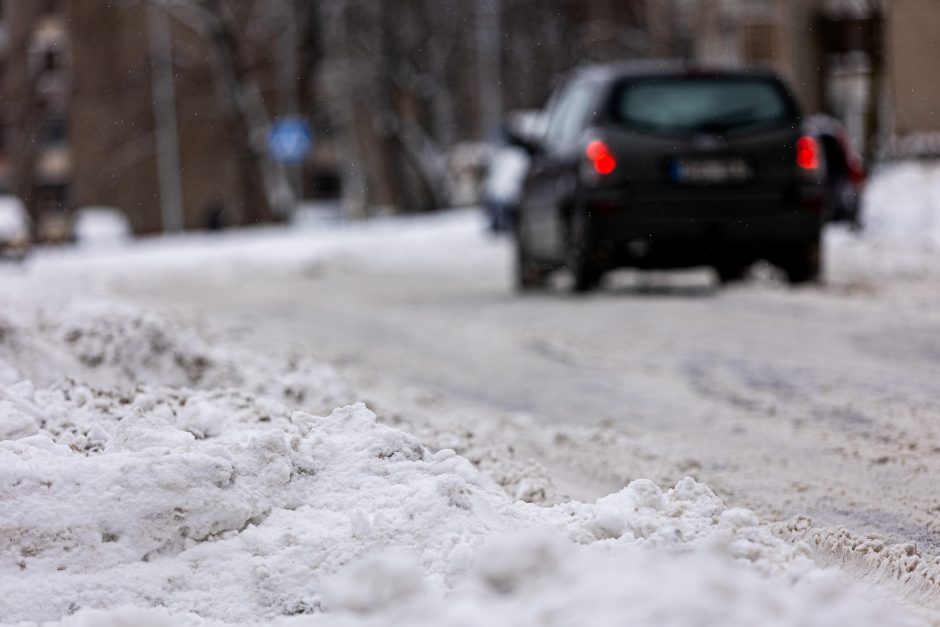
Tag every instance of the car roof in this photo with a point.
(607, 72)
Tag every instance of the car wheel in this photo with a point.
(805, 265)
(730, 271)
(856, 225)
(581, 257)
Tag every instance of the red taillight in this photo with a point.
(807, 153)
(599, 154)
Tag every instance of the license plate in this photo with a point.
(709, 171)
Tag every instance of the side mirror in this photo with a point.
(525, 141)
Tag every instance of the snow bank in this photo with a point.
(427, 242)
(901, 238)
(561, 586)
(341, 514)
(101, 226)
(902, 202)
(14, 220)
(99, 359)
(199, 497)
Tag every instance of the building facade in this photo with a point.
(869, 62)
(93, 107)
(79, 125)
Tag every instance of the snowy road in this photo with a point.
(819, 402)
(138, 443)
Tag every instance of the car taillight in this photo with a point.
(807, 153)
(601, 157)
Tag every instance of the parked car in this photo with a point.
(845, 176)
(502, 186)
(665, 166)
(507, 169)
(14, 228)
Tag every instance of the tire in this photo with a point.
(856, 225)
(805, 265)
(731, 271)
(581, 256)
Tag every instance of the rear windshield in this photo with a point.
(685, 106)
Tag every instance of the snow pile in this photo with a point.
(101, 226)
(901, 238)
(538, 580)
(115, 349)
(902, 203)
(107, 346)
(14, 220)
(232, 528)
(344, 515)
(200, 498)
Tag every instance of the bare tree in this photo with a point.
(392, 85)
(240, 94)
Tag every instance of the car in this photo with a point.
(845, 176)
(507, 169)
(14, 228)
(503, 183)
(663, 165)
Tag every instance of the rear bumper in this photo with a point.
(682, 234)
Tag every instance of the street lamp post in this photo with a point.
(164, 116)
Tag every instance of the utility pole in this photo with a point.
(164, 116)
(355, 179)
(288, 97)
(489, 52)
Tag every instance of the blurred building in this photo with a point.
(869, 62)
(98, 108)
(35, 159)
(389, 86)
(911, 121)
(78, 115)
(113, 131)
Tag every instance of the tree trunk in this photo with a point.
(243, 98)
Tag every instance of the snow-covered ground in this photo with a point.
(201, 495)
(181, 441)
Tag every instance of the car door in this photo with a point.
(552, 177)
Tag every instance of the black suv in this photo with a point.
(667, 167)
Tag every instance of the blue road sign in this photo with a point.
(290, 140)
